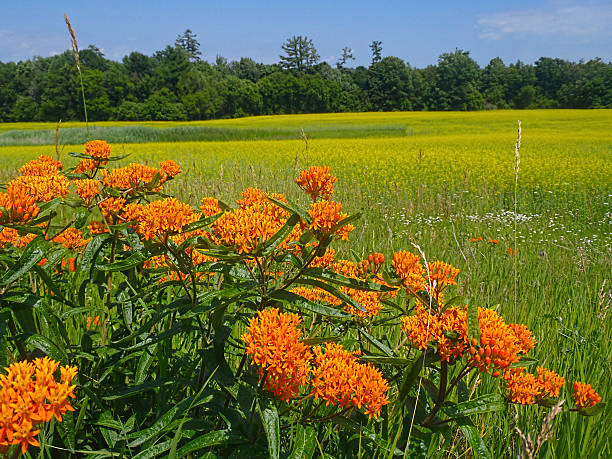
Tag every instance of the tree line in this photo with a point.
(176, 84)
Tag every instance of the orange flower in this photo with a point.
(210, 206)
(40, 187)
(442, 274)
(98, 150)
(493, 241)
(317, 182)
(71, 238)
(527, 389)
(273, 342)
(409, 268)
(97, 227)
(29, 395)
(170, 167)
(44, 165)
(524, 337)
(255, 221)
(20, 206)
(92, 322)
(132, 177)
(338, 378)
(325, 260)
(584, 395)
(325, 215)
(86, 165)
(159, 219)
(87, 188)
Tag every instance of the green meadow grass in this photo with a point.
(433, 181)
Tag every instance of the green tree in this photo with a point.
(347, 54)
(300, 53)
(376, 47)
(389, 85)
(187, 41)
(458, 78)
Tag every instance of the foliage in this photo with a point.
(44, 89)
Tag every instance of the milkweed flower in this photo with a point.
(133, 177)
(209, 206)
(273, 342)
(442, 274)
(584, 395)
(99, 150)
(325, 215)
(86, 165)
(71, 238)
(527, 389)
(31, 394)
(87, 188)
(44, 165)
(170, 168)
(159, 219)
(317, 182)
(409, 268)
(339, 378)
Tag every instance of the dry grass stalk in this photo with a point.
(73, 40)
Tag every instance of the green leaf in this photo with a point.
(382, 443)
(592, 410)
(480, 405)
(269, 418)
(334, 291)
(92, 249)
(267, 247)
(303, 303)
(217, 437)
(81, 217)
(48, 347)
(133, 260)
(31, 255)
(474, 439)
(378, 344)
(144, 363)
(338, 279)
(303, 442)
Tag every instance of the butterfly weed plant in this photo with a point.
(134, 325)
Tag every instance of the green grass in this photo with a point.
(436, 180)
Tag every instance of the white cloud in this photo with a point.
(579, 21)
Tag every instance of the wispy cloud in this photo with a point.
(579, 21)
(15, 46)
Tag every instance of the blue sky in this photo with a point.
(416, 31)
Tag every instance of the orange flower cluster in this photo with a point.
(44, 165)
(159, 219)
(442, 274)
(20, 206)
(500, 345)
(325, 260)
(584, 395)
(170, 168)
(527, 389)
(255, 221)
(43, 187)
(86, 165)
(210, 206)
(69, 262)
(97, 227)
(317, 182)
(29, 395)
(317, 295)
(87, 188)
(325, 215)
(92, 322)
(71, 238)
(338, 378)
(273, 342)
(409, 268)
(99, 150)
(135, 176)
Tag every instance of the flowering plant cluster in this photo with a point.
(233, 327)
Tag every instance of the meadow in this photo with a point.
(535, 245)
